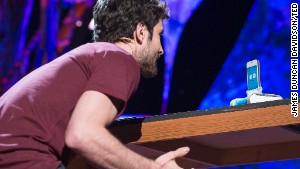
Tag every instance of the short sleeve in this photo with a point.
(114, 73)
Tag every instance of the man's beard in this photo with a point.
(149, 69)
(148, 64)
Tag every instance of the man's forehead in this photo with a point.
(159, 26)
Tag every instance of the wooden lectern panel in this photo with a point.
(217, 137)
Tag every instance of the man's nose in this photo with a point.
(161, 51)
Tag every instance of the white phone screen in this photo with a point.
(253, 77)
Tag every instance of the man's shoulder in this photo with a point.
(96, 48)
(99, 47)
(102, 52)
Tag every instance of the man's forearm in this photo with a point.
(106, 151)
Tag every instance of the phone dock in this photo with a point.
(257, 98)
(254, 92)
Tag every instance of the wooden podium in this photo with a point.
(217, 137)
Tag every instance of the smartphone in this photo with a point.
(253, 75)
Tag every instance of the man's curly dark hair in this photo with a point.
(115, 19)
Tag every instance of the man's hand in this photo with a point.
(167, 161)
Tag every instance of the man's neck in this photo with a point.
(128, 47)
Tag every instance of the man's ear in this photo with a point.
(140, 32)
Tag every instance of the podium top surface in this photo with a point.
(173, 116)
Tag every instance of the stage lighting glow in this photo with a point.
(78, 23)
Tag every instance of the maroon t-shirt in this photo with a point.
(35, 112)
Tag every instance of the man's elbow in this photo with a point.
(75, 140)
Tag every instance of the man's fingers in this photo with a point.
(180, 152)
(172, 155)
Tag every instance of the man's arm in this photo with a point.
(87, 135)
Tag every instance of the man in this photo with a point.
(68, 103)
